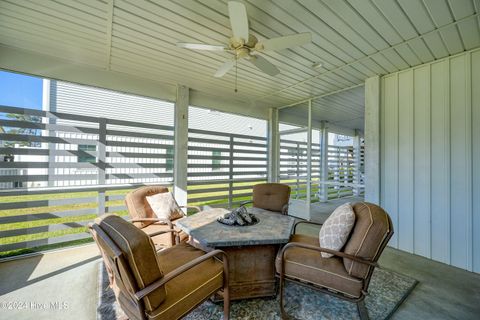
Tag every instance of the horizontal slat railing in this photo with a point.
(342, 169)
(68, 169)
(223, 167)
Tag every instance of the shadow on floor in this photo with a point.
(23, 270)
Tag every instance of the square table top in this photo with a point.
(273, 228)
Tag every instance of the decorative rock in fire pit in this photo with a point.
(238, 217)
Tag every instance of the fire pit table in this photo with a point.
(251, 249)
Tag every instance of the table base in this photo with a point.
(252, 271)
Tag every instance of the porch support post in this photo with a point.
(273, 145)
(101, 162)
(356, 163)
(181, 145)
(372, 140)
(48, 105)
(323, 162)
(309, 157)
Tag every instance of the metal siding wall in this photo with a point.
(440, 166)
(460, 172)
(430, 151)
(405, 145)
(421, 134)
(85, 100)
(390, 150)
(476, 159)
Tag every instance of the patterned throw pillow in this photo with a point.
(164, 206)
(334, 232)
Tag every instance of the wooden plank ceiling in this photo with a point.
(353, 39)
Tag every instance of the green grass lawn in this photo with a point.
(193, 199)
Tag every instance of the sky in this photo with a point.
(18, 90)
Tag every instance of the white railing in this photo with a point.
(67, 169)
(344, 175)
(222, 168)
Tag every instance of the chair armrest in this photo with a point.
(304, 221)
(178, 271)
(166, 221)
(192, 207)
(177, 236)
(320, 249)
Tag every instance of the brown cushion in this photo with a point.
(138, 206)
(164, 240)
(372, 226)
(271, 196)
(308, 265)
(164, 206)
(138, 249)
(192, 286)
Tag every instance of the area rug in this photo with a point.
(387, 291)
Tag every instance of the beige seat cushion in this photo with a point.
(164, 240)
(372, 226)
(308, 265)
(336, 229)
(271, 196)
(164, 206)
(138, 206)
(138, 249)
(187, 290)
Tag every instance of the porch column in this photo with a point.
(273, 145)
(356, 163)
(181, 145)
(48, 105)
(372, 140)
(309, 156)
(323, 162)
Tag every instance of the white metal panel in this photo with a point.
(461, 172)
(476, 159)
(439, 134)
(77, 99)
(422, 145)
(405, 163)
(350, 38)
(440, 126)
(390, 151)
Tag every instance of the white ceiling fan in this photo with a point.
(245, 45)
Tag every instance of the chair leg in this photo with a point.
(226, 289)
(282, 287)
(362, 310)
(226, 304)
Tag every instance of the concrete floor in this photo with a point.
(31, 286)
(319, 212)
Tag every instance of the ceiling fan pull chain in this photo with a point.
(236, 74)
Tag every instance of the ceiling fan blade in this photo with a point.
(286, 42)
(264, 65)
(224, 68)
(200, 46)
(238, 19)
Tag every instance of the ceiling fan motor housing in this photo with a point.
(242, 48)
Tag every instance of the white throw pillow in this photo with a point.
(164, 206)
(336, 229)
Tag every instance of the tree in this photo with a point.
(20, 131)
